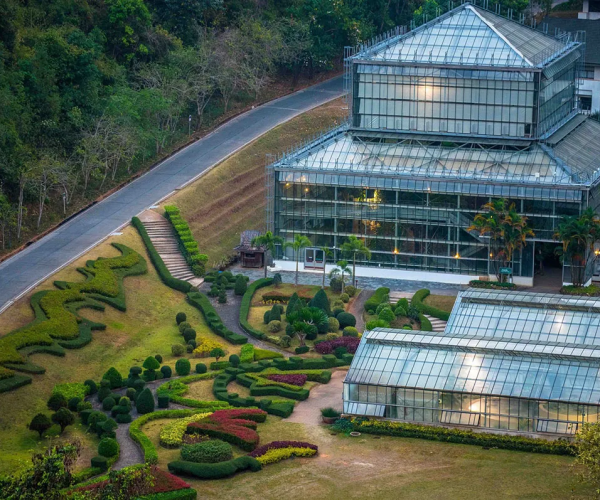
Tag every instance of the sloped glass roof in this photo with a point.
(396, 363)
(469, 35)
(342, 150)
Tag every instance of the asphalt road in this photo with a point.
(28, 268)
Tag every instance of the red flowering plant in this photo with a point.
(327, 347)
(292, 379)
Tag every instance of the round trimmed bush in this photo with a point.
(340, 351)
(108, 447)
(177, 350)
(135, 371)
(337, 310)
(381, 307)
(303, 349)
(189, 348)
(346, 319)
(123, 418)
(267, 317)
(201, 368)
(100, 462)
(130, 393)
(158, 358)
(92, 385)
(350, 290)
(108, 403)
(376, 323)
(333, 336)
(345, 298)
(163, 400)
(183, 367)
(180, 318)
(338, 304)
(334, 325)
(285, 341)
(73, 402)
(207, 452)
(387, 315)
(183, 326)
(311, 332)
(189, 334)
(166, 371)
(234, 359)
(400, 311)
(84, 405)
(274, 326)
(57, 401)
(371, 312)
(192, 343)
(125, 401)
(145, 402)
(350, 331)
(114, 377)
(139, 385)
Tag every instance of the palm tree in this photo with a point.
(342, 270)
(578, 235)
(508, 231)
(268, 242)
(326, 253)
(300, 242)
(355, 246)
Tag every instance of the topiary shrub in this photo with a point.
(403, 303)
(104, 390)
(339, 352)
(334, 325)
(139, 386)
(321, 301)
(83, 405)
(183, 325)
(285, 341)
(92, 385)
(387, 315)
(240, 285)
(100, 462)
(145, 402)
(63, 417)
(107, 429)
(222, 297)
(303, 349)
(274, 326)
(234, 360)
(267, 317)
(151, 364)
(201, 368)
(346, 319)
(108, 403)
(189, 334)
(57, 401)
(73, 402)
(350, 331)
(400, 312)
(40, 424)
(207, 452)
(166, 371)
(108, 447)
(336, 285)
(277, 279)
(123, 418)
(158, 358)
(183, 367)
(163, 400)
(130, 393)
(350, 290)
(338, 304)
(180, 318)
(337, 310)
(381, 307)
(193, 343)
(333, 336)
(345, 298)
(376, 323)
(189, 348)
(114, 377)
(177, 350)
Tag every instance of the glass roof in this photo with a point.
(342, 150)
(397, 363)
(469, 35)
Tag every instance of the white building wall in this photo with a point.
(591, 88)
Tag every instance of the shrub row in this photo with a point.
(507, 442)
(278, 454)
(417, 301)
(495, 285)
(273, 389)
(171, 435)
(200, 301)
(279, 297)
(159, 265)
(245, 308)
(277, 445)
(215, 471)
(380, 295)
(187, 243)
(425, 323)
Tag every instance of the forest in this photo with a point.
(93, 91)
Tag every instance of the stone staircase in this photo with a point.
(163, 238)
(437, 325)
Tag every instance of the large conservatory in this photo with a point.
(445, 118)
(507, 360)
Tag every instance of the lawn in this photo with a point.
(390, 468)
(232, 198)
(146, 328)
(443, 302)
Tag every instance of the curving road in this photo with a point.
(28, 268)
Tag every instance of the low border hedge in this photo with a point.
(245, 308)
(417, 301)
(201, 302)
(215, 471)
(503, 441)
(425, 323)
(184, 494)
(377, 298)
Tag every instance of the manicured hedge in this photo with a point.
(200, 301)
(277, 389)
(161, 268)
(417, 301)
(494, 285)
(504, 441)
(187, 244)
(425, 324)
(245, 308)
(175, 389)
(184, 494)
(377, 298)
(215, 471)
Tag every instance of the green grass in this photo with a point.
(444, 302)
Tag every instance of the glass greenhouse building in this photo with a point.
(510, 361)
(462, 110)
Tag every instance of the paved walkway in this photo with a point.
(321, 396)
(307, 278)
(36, 263)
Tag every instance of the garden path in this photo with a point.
(357, 307)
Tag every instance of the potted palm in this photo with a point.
(329, 415)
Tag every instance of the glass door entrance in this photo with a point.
(314, 258)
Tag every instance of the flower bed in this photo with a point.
(171, 435)
(298, 380)
(329, 346)
(280, 450)
(204, 346)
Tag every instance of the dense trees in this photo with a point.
(90, 91)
